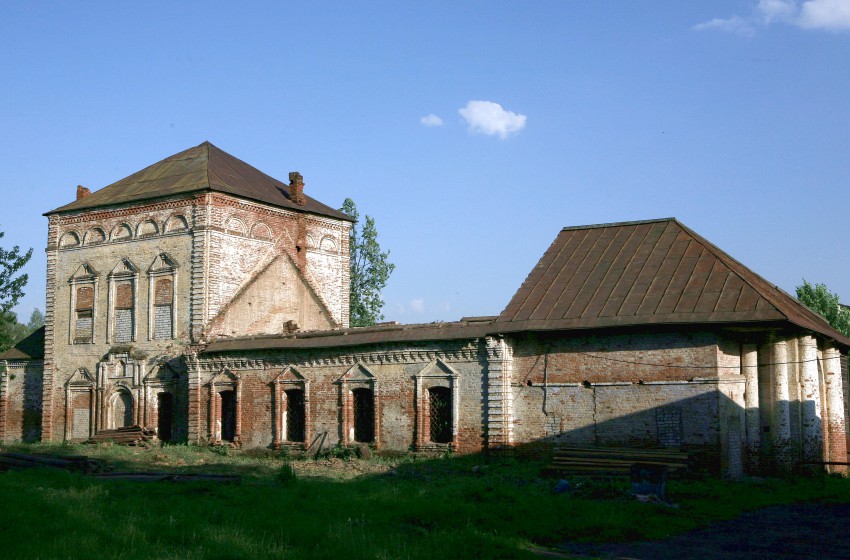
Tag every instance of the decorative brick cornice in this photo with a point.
(470, 351)
(100, 214)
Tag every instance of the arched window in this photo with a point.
(70, 239)
(122, 232)
(176, 224)
(147, 228)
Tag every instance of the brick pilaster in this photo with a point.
(499, 403)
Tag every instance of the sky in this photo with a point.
(472, 132)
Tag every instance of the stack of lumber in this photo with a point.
(132, 435)
(612, 460)
(78, 463)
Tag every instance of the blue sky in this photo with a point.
(471, 131)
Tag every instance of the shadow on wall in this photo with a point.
(724, 437)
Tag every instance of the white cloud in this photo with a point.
(486, 117)
(734, 24)
(770, 11)
(431, 120)
(417, 305)
(825, 14)
(833, 15)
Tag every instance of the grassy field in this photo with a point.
(466, 507)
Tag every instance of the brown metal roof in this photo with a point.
(474, 328)
(648, 272)
(30, 348)
(204, 167)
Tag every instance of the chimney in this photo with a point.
(82, 192)
(296, 188)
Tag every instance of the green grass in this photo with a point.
(400, 508)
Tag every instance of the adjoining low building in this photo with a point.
(233, 328)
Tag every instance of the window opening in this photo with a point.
(163, 296)
(83, 328)
(440, 409)
(124, 312)
(295, 415)
(364, 415)
(228, 415)
(164, 416)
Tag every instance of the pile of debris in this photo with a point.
(131, 435)
(77, 463)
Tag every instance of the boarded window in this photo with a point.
(295, 415)
(85, 298)
(163, 295)
(364, 415)
(124, 312)
(440, 409)
(84, 317)
(163, 291)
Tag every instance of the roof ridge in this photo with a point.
(615, 224)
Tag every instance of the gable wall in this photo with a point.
(245, 236)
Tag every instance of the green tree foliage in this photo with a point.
(11, 331)
(36, 320)
(819, 299)
(11, 289)
(370, 270)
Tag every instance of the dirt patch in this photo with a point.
(811, 530)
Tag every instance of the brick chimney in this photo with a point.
(82, 192)
(296, 188)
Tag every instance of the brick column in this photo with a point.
(49, 330)
(835, 410)
(498, 406)
(4, 395)
(278, 416)
(752, 413)
(783, 459)
(812, 425)
(193, 380)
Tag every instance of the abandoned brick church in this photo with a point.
(207, 300)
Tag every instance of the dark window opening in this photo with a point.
(164, 416)
(441, 414)
(364, 415)
(228, 415)
(295, 415)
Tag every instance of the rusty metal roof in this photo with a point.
(647, 272)
(30, 348)
(202, 168)
(475, 328)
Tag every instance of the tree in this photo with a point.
(36, 320)
(11, 288)
(11, 331)
(819, 299)
(370, 270)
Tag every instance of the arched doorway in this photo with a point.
(122, 409)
